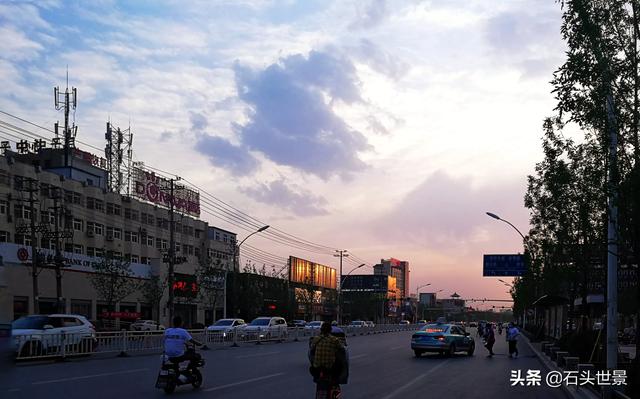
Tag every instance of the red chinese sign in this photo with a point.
(185, 285)
(120, 315)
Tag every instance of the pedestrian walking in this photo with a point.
(512, 338)
(490, 339)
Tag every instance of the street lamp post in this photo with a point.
(418, 300)
(525, 245)
(342, 280)
(236, 252)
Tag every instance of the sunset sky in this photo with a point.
(386, 128)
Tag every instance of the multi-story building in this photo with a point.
(73, 211)
(398, 269)
(370, 297)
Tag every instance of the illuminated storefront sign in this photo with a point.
(149, 187)
(307, 272)
(185, 285)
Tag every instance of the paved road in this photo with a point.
(382, 366)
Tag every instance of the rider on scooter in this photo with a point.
(175, 340)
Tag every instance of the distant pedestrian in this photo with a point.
(512, 338)
(489, 338)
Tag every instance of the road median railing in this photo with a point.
(65, 345)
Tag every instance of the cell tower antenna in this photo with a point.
(66, 101)
(118, 154)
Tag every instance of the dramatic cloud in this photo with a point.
(289, 197)
(223, 154)
(291, 120)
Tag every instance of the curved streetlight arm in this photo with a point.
(342, 279)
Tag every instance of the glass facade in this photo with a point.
(307, 272)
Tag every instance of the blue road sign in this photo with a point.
(503, 265)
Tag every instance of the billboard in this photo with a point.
(307, 272)
(503, 265)
(155, 189)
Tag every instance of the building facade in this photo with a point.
(398, 269)
(370, 297)
(75, 214)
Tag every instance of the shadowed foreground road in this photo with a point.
(382, 366)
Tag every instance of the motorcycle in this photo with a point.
(172, 374)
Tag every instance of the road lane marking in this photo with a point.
(233, 384)
(418, 378)
(397, 347)
(358, 356)
(84, 377)
(256, 355)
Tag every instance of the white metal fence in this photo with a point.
(124, 343)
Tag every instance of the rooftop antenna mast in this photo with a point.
(118, 152)
(66, 101)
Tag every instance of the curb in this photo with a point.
(570, 391)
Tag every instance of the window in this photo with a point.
(131, 236)
(135, 215)
(91, 203)
(113, 209)
(134, 259)
(21, 239)
(158, 243)
(99, 252)
(4, 207)
(68, 196)
(21, 211)
(144, 260)
(5, 236)
(127, 213)
(217, 236)
(225, 238)
(77, 224)
(178, 247)
(91, 251)
(78, 249)
(114, 233)
(149, 241)
(165, 244)
(196, 251)
(96, 228)
(48, 243)
(77, 198)
(98, 204)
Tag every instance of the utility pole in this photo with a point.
(171, 250)
(342, 253)
(58, 259)
(30, 186)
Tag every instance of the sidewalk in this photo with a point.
(571, 391)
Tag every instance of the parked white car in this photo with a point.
(357, 323)
(225, 326)
(41, 334)
(369, 323)
(313, 325)
(267, 327)
(146, 325)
